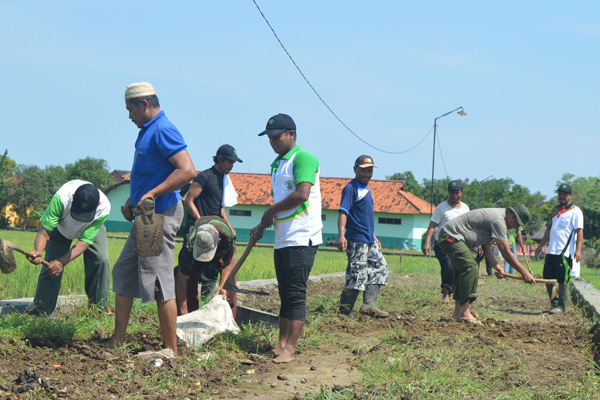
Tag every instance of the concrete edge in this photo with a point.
(263, 283)
(23, 304)
(586, 296)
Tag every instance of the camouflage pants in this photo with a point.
(366, 266)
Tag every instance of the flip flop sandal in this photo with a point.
(472, 321)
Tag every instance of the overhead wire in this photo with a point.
(442, 157)
(323, 101)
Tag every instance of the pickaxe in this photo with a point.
(7, 257)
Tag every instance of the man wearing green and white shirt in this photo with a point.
(296, 214)
(78, 210)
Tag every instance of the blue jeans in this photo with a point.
(447, 269)
(507, 267)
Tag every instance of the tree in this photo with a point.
(423, 190)
(491, 193)
(27, 191)
(55, 177)
(7, 167)
(90, 169)
(410, 182)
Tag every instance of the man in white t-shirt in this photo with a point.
(443, 213)
(564, 235)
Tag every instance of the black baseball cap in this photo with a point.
(455, 185)
(228, 152)
(563, 187)
(85, 202)
(278, 124)
(364, 161)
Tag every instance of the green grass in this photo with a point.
(259, 265)
(397, 365)
(436, 366)
(23, 281)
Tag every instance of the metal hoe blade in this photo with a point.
(8, 263)
(234, 288)
(149, 230)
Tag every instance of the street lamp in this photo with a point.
(480, 182)
(460, 111)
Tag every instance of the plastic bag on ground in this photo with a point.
(200, 326)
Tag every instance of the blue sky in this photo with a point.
(526, 74)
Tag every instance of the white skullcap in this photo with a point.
(139, 89)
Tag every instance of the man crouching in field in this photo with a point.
(78, 210)
(479, 228)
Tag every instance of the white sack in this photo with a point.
(199, 326)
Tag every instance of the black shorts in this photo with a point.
(292, 266)
(558, 267)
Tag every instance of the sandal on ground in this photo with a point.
(473, 321)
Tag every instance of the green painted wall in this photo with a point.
(118, 226)
(390, 236)
(243, 224)
(411, 230)
(117, 198)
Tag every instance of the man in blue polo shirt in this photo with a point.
(161, 166)
(367, 270)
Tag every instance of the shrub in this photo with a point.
(591, 257)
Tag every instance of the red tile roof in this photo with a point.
(388, 196)
(252, 188)
(119, 175)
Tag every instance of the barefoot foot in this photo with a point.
(277, 351)
(284, 357)
(446, 299)
(108, 343)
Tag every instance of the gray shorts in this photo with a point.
(142, 277)
(366, 266)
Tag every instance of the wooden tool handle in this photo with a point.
(519, 277)
(527, 261)
(27, 253)
(239, 262)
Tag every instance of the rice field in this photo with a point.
(23, 281)
(259, 265)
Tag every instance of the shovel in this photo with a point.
(229, 285)
(7, 257)
(553, 282)
(149, 230)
